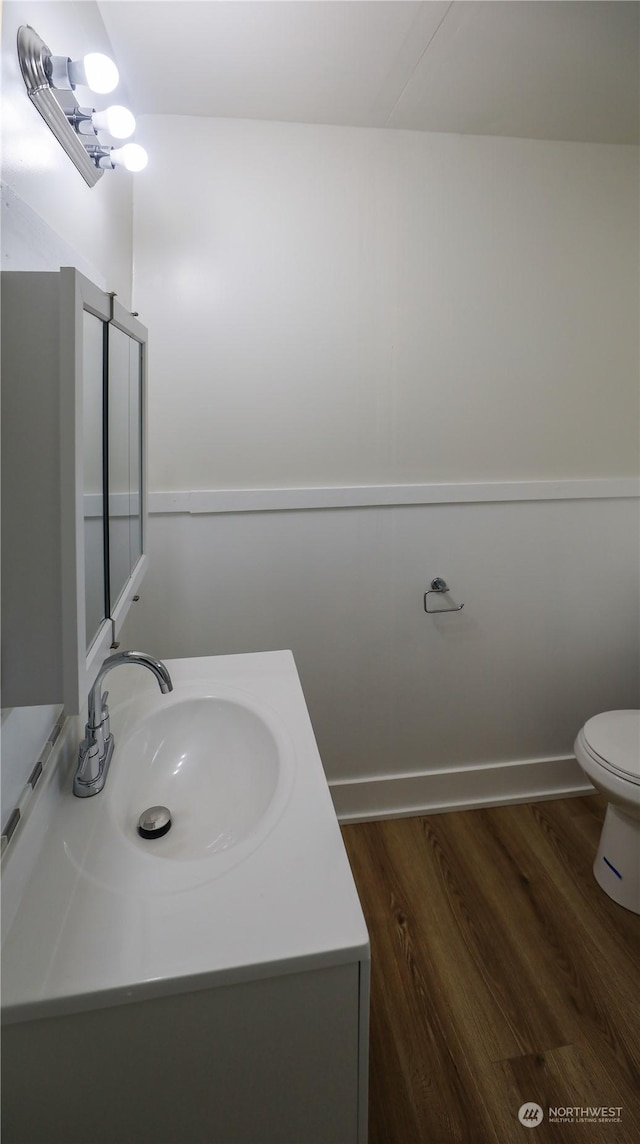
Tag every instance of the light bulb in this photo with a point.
(132, 156)
(101, 72)
(118, 121)
(95, 71)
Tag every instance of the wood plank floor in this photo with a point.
(501, 974)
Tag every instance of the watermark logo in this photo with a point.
(530, 1115)
(576, 1114)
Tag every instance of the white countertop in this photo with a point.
(75, 941)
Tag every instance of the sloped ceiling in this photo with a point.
(542, 69)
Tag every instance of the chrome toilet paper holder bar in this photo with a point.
(438, 588)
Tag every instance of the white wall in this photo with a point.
(346, 306)
(338, 307)
(548, 635)
(51, 218)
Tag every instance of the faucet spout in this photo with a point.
(123, 657)
(97, 746)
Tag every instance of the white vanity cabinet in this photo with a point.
(149, 994)
(73, 487)
(282, 1060)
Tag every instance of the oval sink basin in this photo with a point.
(221, 763)
(213, 762)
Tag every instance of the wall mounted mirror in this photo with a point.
(126, 422)
(125, 471)
(93, 467)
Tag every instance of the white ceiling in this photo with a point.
(543, 69)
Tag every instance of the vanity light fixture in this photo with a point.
(51, 81)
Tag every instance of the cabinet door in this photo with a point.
(125, 421)
(59, 616)
(86, 626)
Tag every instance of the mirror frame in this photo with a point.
(125, 321)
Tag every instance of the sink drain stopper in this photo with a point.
(154, 822)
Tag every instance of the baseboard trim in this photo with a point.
(458, 788)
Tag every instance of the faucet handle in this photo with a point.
(88, 759)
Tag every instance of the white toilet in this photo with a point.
(608, 750)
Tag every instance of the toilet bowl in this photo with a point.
(608, 750)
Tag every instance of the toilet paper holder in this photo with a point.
(438, 588)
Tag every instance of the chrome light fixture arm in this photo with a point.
(80, 121)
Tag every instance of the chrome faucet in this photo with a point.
(97, 746)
